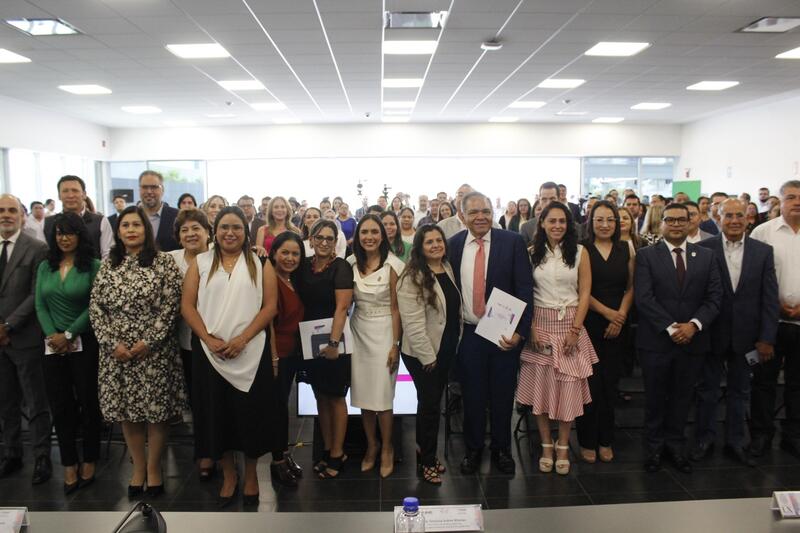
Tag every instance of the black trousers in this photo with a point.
(287, 369)
(765, 380)
(71, 382)
(186, 361)
(669, 382)
(430, 386)
(596, 426)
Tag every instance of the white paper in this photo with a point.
(788, 503)
(13, 518)
(752, 357)
(314, 335)
(449, 517)
(77, 346)
(502, 315)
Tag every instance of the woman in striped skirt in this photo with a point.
(558, 360)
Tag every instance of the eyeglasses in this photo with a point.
(675, 221)
(150, 187)
(323, 238)
(236, 228)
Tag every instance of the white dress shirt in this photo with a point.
(734, 253)
(671, 328)
(36, 227)
(11, 242)
(786, 247)
(468, 271)
(697, 237)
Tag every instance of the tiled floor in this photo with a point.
(622, 481)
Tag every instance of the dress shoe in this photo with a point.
(281, 475)
(9, 465)
(250, 500)
(471, 462)
(680, 462)
(69, 488)
(701, 451)
(135, 490)
(82, 483)
(760, 445)
(154, 491)
(739, 454)
(42, 470)
(653, 463)
(791, 445)
(503, 461)
(294, 468)
(224, 501)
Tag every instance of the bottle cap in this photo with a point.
(410, 504)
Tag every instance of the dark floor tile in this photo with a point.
(393, 489)
(739, 492)
(326, 489)
(786, 476)
(328, 506)
(725, 478)
(628, 482)
(522, 501)
(538, 485)
(640, 497)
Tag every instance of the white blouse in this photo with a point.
(184, 331)
(555, 283)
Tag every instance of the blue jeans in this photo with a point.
(737, 400)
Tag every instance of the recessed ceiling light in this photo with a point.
(402, 83)
(286, 120)
(141, 109)
(396, 120)
(794, 53)
(85, 89)
(772, 25)
(242, 85)
(608, 120)
(561, 83)
(650, 106)
(180, 123)
(399, 104)
(7, 56)
(612, 49)
(409, 47)
(268, 106)
(572, 113)
(504, 120)
(712, 85)
(414, 19)
(198, 51)
(220, 115)
(39, 27)
(527, 104)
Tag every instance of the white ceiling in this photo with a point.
(282, 43)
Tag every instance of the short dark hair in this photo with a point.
(119, 196)
(245, 197)
(764, 189)
(70, 177)
(718, 193)
(703, 198)
(36, 202)
(151, 173)
(548, 185)
(378, 210)
(48, 201)
(692, 204)
(632, 197)
(673, 205)
(184, 196)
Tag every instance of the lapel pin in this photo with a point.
(694, 254)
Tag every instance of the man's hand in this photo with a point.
(765, 351)
(507, 344)
(684, 333)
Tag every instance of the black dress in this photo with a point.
(317, 290)
(609, 283)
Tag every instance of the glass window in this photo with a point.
(646, 175)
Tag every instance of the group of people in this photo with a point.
(136, 318)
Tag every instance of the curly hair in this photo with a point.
(568, 244)
(149, 250)
(69, 223)
(417, 269)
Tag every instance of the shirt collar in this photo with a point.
(486, 238)
(671, 247)
(735, 244)
(783, 224)
(160, 209)
(13, 238)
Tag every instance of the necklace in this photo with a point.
(230, 263)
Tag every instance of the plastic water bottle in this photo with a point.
(410, 520)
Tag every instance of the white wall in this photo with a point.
(745, 149)
(382, 140)
(23, 125)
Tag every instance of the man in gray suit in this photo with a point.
(21, 345)
(695, 234)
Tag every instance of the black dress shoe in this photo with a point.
(503, 461)
(69, 488)
(135, 490)
(740, 455)
(9, 465)
(250, 500)
(760, 445)
(681, 463)
(154, 491)
(701, 451)
(791, 445)
(653, 463)
(294, 468)
(82, 483)
(42, 470)
(471, 463)
(224, 501)
(280, 474)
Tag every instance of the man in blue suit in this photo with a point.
(748, 321)
(678, 292)
(484, 258)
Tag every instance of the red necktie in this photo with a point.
(680, 266)
(479, 281)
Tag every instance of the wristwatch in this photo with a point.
(68, 335)
(333, 344)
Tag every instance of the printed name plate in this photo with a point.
(12, 519)
(449, 517)
(788, 503)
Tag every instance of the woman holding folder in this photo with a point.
(430, 311)
(326, 290)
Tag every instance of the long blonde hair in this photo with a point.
(271, 223)
(652, 220)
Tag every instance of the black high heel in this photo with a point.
(135, 490)
(282, 475)
(294, 468)
(250, 500)
(224, 501)
(69, 488)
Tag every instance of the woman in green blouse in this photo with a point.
(63, 285)
(397, 245)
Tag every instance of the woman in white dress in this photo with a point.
(375, 325)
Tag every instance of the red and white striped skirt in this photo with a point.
(556, 384)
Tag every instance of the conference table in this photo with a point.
(748, 515)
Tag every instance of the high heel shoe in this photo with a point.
(562, 465)
(294, 468)
(154, 491)
(250, 500)
(281, 474)
(368, 463)
(135, 490)
(224, 501)
(606, 455)
(386, 470)
(69, 488)
(206, 473)
(546, 463)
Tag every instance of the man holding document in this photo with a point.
(485, 259)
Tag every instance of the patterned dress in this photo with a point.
(128, 304)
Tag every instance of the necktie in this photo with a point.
(479, 281)
(4, 258)
(680, 266)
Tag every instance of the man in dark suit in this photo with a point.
(483, 259)
(678, 292)
(120, 203)
(634, 205)
(248, 206)
(72, 193)
(21, 346)
(161, 216)
(748, 321)
(574, 209)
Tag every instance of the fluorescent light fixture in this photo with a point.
(268, 106)
(180, 123)
(794, 53)
(7, 56)
(141, 109)
(409, 47)
(85, 89)
(650, 106)
(395, 120)
(414, 19)
(527, 104)
(772, 25)
(561, 83)
(572, 113)
(286, 120)
(712, 85)
(504, 120)
(198, 51)
(612, 49)
(220, 115)
(608, 120)
(398, 104)
(39, 27)
(402, 83)
(242, 85)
